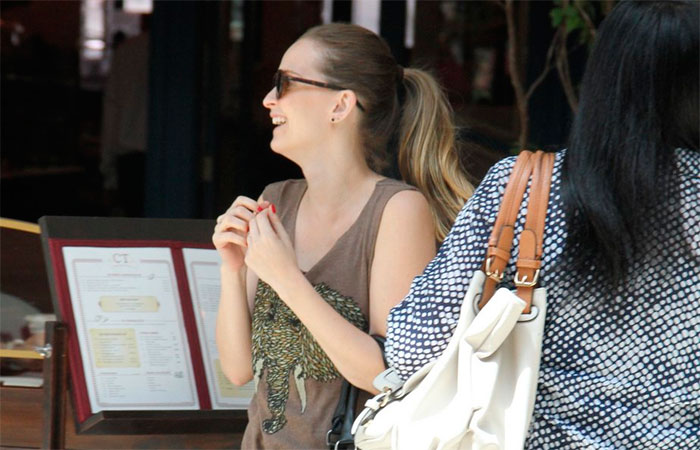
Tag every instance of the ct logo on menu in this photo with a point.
(120, 258)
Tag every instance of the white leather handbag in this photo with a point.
(479, 394)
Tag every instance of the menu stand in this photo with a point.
(55, 384)
(212, 422)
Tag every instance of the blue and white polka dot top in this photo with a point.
(619, 370)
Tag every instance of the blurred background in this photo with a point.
(148, 108)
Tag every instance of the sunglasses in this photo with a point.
(281, 81)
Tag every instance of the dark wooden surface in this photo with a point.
(21, 427)
(164, 422)
(20, 417)
(126, 228)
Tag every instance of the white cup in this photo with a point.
(36, 324)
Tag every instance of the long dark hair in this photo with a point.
(639, 102)
(422, 124)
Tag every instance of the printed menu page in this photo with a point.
(130, 328)
(202, 267)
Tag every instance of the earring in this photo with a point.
(333, 119)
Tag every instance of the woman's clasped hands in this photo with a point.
(251, 234)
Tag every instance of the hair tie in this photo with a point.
(400, 85)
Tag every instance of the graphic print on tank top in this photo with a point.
(282, 345)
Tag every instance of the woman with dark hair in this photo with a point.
(313, 267)
(620, 364)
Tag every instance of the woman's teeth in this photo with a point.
(279, 120)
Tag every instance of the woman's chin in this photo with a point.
(275, 143)
(277, 147)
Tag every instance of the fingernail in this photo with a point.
(272, 207)
(247, 228)
(259, 209)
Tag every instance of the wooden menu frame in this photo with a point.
(176, 234)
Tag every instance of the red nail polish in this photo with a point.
(259, 209)
(274, 210)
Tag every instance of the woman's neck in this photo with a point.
(338, 182)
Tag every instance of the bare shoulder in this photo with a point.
(408, 204)
(407, 218)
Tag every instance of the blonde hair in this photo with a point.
(358, 59)
(427, 149)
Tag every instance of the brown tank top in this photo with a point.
(297, 386)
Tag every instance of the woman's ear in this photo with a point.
(345, 103)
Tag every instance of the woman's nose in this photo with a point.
(270, 99)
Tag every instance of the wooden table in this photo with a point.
(21, 426)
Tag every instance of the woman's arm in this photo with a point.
(233, 326)
(405, 243)
(233, 338)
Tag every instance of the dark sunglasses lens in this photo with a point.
(279, 82)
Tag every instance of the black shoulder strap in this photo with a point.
(340, 435)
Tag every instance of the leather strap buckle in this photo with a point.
(495, 275)
(522, 282)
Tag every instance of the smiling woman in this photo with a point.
(313, 266)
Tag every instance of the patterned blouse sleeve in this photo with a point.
(420, 327)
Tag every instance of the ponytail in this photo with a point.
(428, 158)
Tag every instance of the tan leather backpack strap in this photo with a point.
(513, 195)
(501, 239)
(531, 239)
